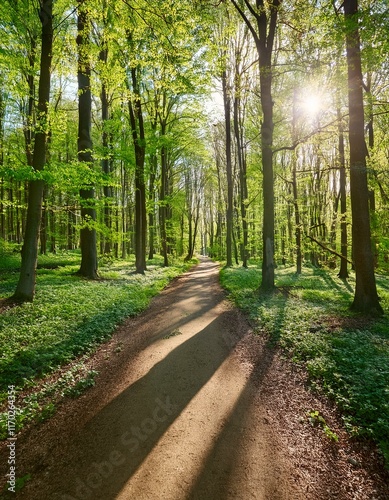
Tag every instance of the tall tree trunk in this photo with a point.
(26, 285)
(263, 32)
(189, 207)
(297, 217)
(10, 218)
(343, 271)
(29, 122)
(106, 162)
(88, 244)
(230, 188)
(242, 179)
(196, 226)
(153, 171)
(2, 190)
(123, 209)
(44, 224)
(268, 180)
(162, 207)
(165, 213)
(138, 135)
(2, 210)
(366, 298)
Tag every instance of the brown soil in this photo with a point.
(190, 404)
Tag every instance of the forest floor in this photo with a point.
(189, 403)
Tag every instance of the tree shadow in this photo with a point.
(37, 361)
(225, 461)
(9, 303)
(104, 454)
(329, 280)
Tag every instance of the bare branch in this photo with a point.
(333, 252)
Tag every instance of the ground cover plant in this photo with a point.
(68, 319)
(346, 355)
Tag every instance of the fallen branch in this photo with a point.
(327, 249)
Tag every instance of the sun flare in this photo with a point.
(312, 104)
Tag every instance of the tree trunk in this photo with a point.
(153, 171)
(162, 206)
(263, 32)
(366, 298)
(343, 271)
(242, 179)
(26, 285)
(268, 181)
(2, 210)
(195, 229)
(296, 216)
(105, 162)
(138, 136)
(295, 194)
(230, 191)
(29, 122)
(88, 243)
(44, 224)
(2, 190)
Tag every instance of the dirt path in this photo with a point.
(189, 404)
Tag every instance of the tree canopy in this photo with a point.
(239, 129)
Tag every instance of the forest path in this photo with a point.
(188, 404)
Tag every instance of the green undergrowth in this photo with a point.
(68, 319)
(346, 355)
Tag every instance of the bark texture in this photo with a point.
(88, 240)
(366, 298)
(26, 285)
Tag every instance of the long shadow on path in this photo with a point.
(115, 443)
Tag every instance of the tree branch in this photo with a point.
(333, 252)
(246, 19)
(306, 137)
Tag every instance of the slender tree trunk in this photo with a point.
(370, 128)
(182, 228)
(2, 210)
(29, 123)
(230, 189)
(268, 180)
(138, 135)
(242, 179)
(263, 32)
(296, 216)
(343, 271)
(189, 207)
(195, 229)
(105, 162)
(295, 194)
(44, 224)
(153, 172)
(10, 208)
(88, 238)
(2, 190)
(366, 298)
(123, 208)
(26, 285)
(162, 206)
(52, 228)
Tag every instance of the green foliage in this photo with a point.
(315, 419)
(40, 404)
(81, 385)
(346, 356)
